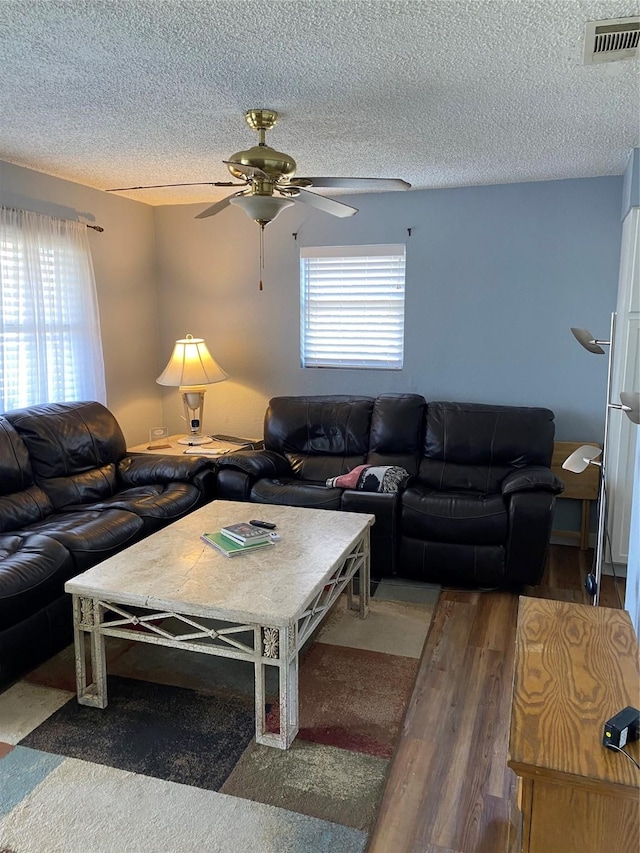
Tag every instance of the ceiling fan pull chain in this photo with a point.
(261, 254)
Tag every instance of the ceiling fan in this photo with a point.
(268, 181)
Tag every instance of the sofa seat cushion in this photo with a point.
(292, 492)
(456, 517)
(33, 570)
(156, 505)
(92, 535)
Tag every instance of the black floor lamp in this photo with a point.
(587, 455)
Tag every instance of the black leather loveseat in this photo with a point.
(70, 496)
(478, 504)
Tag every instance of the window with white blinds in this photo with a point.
(50, 345)
(352, 306)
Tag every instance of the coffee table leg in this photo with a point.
(277, 647)
(86, 620)
(364, 578)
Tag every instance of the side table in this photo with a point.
(576, 666)
(174, 448)
(581, 487)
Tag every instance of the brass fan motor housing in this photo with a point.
(275, 164)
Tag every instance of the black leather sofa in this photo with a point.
(477, 508)
(70, 496)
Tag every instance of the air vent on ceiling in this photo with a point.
(609, 41)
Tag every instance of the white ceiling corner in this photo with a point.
(442, 93)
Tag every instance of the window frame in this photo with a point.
(387, 261)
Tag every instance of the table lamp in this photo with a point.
(191, 368)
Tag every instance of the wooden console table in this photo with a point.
(576, 666)
(581, 487)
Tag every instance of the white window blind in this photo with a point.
(50, 345)
(352, 306)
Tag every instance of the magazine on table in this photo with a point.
(230, 548)
(244, 533)
(222, 444)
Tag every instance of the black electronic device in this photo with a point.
(231, 439)
(622, 728)
(268, 525)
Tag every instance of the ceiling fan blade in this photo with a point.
(327, 205)
(217, 207)
(190, 184)
(249, 171)
(353, 183)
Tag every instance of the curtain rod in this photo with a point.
(97, 228)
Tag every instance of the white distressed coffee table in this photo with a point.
(259, 607)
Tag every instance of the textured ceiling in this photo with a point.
(442, 93)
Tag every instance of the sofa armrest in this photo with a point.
(145, 469)
(256, 463)
(384, 533)
(530, 518)
(536, 478)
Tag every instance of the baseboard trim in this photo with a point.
(568, 537)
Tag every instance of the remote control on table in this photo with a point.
(268, 525)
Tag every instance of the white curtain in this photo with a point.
(50, 344)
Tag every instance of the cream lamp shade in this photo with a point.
(191, 368)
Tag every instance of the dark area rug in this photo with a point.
(171, 733)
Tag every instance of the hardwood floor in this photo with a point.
(449, 789)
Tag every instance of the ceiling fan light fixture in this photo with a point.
(261, 208)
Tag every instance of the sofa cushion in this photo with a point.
(294, 492)
(156, 505)
(23, 508)
(464, 518)
(91, 535)
(396, 431)
(82, 487)
(33, 570)
(320, 436)
(474, 446)
(16, 467)
(21, 502)
(73, 448)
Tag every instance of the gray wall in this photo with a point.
(496, 275)
(124, 266)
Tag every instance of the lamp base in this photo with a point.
(195, 440)
(591, 585)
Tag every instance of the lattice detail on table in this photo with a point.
(317, 609)
(202, 633)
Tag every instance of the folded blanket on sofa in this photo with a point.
(372, 478)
